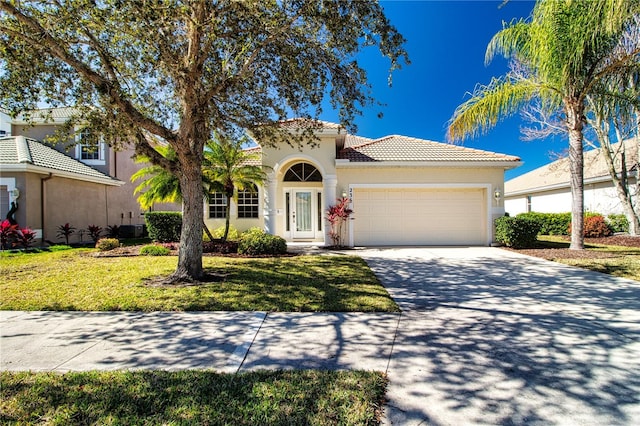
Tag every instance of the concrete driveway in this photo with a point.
(492, 337)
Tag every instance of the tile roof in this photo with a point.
(557, 172)
(404, 148)
(46, 115)
(294, 123)
(18, 150)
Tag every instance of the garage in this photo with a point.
(419, 216)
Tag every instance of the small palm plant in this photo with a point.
(226, 168)
(65, 231)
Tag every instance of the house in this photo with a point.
(547, 189)
(76, 182)
(403, 190)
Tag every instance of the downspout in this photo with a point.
(42, 204)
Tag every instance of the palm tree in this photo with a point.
(158, 185)
(560, 55)
(226, 167)
(229, 169)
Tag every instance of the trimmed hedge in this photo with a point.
(164, 227)
(618, 222)
(517, 232)
(550, 223)
(257, 242)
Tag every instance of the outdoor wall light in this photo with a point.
(497, 194)
(344, 194)
(15, 193)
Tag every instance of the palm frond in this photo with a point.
(488, 104)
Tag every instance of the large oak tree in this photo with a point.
(176, 70)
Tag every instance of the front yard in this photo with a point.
(192, 398)
(78, 280)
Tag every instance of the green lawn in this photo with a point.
(77, 280)
(619, 261)
(192, 397)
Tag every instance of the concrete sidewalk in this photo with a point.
(223, 341)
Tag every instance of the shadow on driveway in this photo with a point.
(491, 337)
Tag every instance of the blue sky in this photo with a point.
(446, 41)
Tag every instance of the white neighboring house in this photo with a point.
(547, 188)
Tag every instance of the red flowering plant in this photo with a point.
(25, 237)
(337, 216)
(8, 234)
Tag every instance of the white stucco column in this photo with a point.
(329, 189)
(269, 209)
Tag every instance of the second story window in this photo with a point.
(89, 148)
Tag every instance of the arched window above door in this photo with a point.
(302, 172)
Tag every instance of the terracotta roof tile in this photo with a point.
(404, 148)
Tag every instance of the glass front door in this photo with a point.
(302, 216)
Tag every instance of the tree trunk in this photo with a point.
(190, 254)
(622, 186)
(575, 111)
(206, 231)
(227, 221)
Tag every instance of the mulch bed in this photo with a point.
(565, 253)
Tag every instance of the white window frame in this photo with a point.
(219, 202)
(100, 161)
(254, 204)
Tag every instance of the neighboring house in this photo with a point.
(403, 191)
(547, 188)
(50, 188)
(81, 182)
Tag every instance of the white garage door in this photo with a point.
(407, 216)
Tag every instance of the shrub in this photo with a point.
(8, 233)
(106, 244)
(257, 242)
(618, 223)
(25, 237)
(337, 215)
(517, 232)
(233, 233)
(154, 250)
(550, 223)
(164, 227)
(596, 227)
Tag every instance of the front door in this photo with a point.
(302, 217)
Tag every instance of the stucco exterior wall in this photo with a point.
(124, 208)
